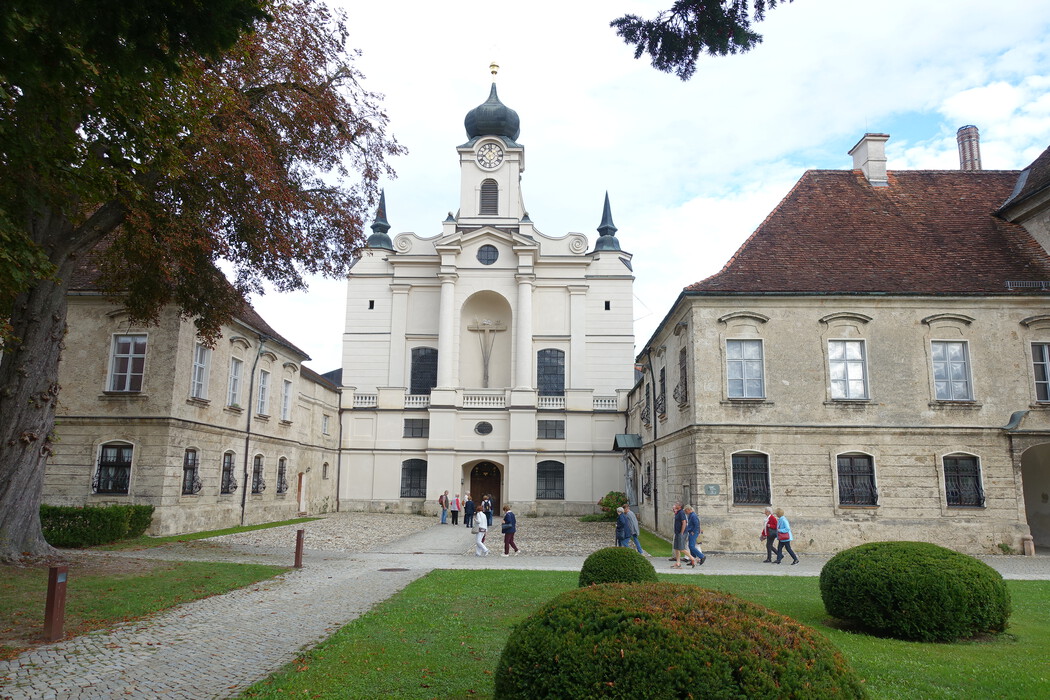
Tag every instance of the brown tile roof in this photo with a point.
(1034, 179)
(928, 232)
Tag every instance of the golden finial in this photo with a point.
(494, 68)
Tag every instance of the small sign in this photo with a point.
(61, 577)
(711, 489)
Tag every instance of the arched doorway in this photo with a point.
(485, 478)
(1035, 475)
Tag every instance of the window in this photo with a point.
(661, 398)
(191, 480)
(550, 429)
(550, 481)
(229, 482)
(114, 469)
(414, 478)
(962, 481)
(324, 470)
(751, 479)
(258, 484)
(282, 475)
(951, 371)
(424, 370)
(233, 393)
(199, 379)
(857, 481)
(846, 362)
(1041, 364)
(681, 390)
(488, 254)
(550, 372)
(483, 427)
(417, 428)
(263, 404)
(324, 425)
(647, 409)
(129, 363)
(286, 401)
(744, 369)
(489, 197)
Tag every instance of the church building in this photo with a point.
(489, 358)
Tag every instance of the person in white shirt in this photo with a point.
(480, 550)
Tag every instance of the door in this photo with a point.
(485, 478)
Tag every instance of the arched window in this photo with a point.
(191, 480)
(962, 481)
(750, 479)
(489, 197)
(550, 372)
(258, 484)
(424, 370)
(550, 480)
(414, 478)
(282, 475)
(114, 469)
(857, 481)
(229, 482)
(324, 470)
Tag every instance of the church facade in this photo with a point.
(490, 358)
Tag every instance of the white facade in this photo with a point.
(499, 303)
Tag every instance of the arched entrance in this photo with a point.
(485, 478)
(1035, 475)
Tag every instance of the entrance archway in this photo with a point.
(1035, 475)
(485, 477)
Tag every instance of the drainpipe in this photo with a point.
(248, 427)
(655, 420)
(339, 455)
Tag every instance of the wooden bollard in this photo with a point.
(55, 607)
(299, 536)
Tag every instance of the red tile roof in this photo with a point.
(928, 232)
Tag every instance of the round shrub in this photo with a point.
(651, 640)
(915, 591)
(616, 565)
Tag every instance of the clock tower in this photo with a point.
(491, 163)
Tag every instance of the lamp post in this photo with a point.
(248, 428)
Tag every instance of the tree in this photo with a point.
(676, 37)
(157, 163)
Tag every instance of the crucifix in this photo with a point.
(486, 329)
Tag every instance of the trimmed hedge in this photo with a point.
(915, 591)
(616, 565)
(76, 527)
(646, 640)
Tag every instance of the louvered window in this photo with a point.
(489, 197)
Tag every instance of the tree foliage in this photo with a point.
(676, 37)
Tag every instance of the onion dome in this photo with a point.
(379, 238)
(492, 118)
(607, 231)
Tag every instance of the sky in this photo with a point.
(691, 168)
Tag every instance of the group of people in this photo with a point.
(480, 528)
(452, 505)
(686, 536)
(776, 528)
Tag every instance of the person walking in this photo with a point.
(509, 527)
(455, 507)
(479, 529)
(633, 520)
(443, 502)
(681, 545)
(623, 527)
(692, 531)
(468, 511)
(769, 533)
(784, 538)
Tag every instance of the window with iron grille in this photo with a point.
(489, 197)
(1041, 364)
(681, 390)
(550, 481)
(550, 372)
(229, 482)
(646, 415)
(114, 469)
(414, 478)
(282, 475)
(962, 481)
(846, 364)
(199, 377)
(424, 370)
(857, 481)
(744, 369)
(258, 484)
(751, 479)
(417, 428)
(191, 479)
(951, 370)
(661, 398)
(550, 429)
(129, 363)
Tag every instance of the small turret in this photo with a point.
(607, 238)
(379, 238)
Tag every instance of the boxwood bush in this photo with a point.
(652, 640)
(915, 591)
(76, 527)
(616, 565)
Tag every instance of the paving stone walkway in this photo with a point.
(216, 647)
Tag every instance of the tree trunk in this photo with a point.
(28, 393)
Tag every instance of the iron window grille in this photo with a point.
(857, 481)
(414, 478)
(646, 414)
(550, 481)
(282, 475)
(229, 482)
(962, 482)
(751, 479)
(258, 483)
(114, 470)
(191, 480)
(681, 390)
(661, 398)
(550, 429)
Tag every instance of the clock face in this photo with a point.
(490, 155)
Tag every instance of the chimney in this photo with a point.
(969, 147)
(869, 156)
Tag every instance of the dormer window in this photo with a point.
(489, 197)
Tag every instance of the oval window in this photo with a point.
(483, 428)
(488, 254)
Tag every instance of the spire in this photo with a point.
(607, 239)
(379, 239)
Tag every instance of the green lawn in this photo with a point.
(441, 637)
